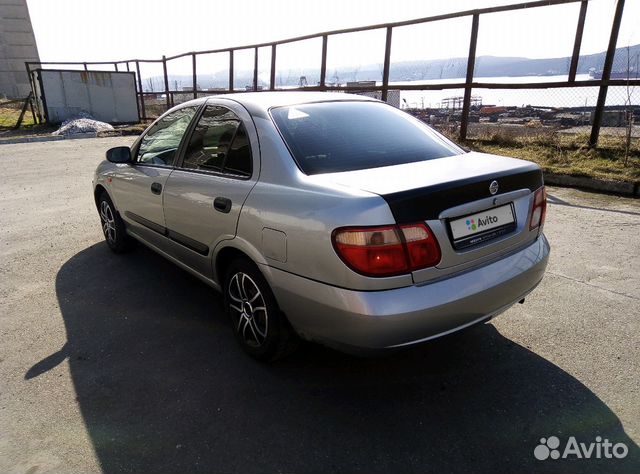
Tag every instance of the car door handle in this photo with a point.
(222, 204)
(156, 188)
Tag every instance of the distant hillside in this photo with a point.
(486, 66)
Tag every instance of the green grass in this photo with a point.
(9, 115)
(569, 155)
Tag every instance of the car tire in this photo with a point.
(259, 326)
(112, 226)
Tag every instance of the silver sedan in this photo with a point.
(328, 217)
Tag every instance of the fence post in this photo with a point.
(33, 112)
(166, 81)
(231, 70)
(85, 67)
(387, 65)
(144, 112)
(272, 78)
(323, 63)
(23, 111)
(116, 66)
(606, 75)
(28, 68)
(578, 41)
(255, 69)
(471, 62)
(33, 90)
(195, 76)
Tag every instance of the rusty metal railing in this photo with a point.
(468, 85)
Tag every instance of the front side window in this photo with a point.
(219, 143)
(331, 137)
(159, 146)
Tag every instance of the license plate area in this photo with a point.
(479, 227)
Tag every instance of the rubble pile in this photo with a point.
(84, 123)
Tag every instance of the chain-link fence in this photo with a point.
(467, 92)
(521, 113)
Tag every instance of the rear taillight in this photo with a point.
(386, 251)
(539, 209)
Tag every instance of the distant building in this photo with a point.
(361, 84)
(393, 96)
(456, 103)
(17, 45)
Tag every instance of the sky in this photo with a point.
(91, 30)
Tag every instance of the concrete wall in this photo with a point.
(106, 96)
(17, 45)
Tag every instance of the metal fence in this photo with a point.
(463, 111)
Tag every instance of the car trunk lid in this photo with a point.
(444, 190)
(422, 190)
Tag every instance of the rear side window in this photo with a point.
(330, 137)
(219, 143)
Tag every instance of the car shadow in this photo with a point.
(163, 387)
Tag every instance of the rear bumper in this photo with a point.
(373, 320)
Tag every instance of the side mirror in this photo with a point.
(119, 154)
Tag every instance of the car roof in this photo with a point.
(258, 103)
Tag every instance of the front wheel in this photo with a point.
(112, 226)
(261, 329)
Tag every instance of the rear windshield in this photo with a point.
(330, 137)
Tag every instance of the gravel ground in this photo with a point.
(126, 364)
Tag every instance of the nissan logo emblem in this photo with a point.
(493, 187)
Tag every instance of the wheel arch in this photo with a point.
(229, 250)
(97, 192)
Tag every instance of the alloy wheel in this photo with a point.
(248, 309)
(108, 221)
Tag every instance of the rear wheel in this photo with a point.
(260, 328)
(113, 226)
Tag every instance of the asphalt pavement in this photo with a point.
(125, 363)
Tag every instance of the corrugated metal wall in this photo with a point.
(106, 96)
